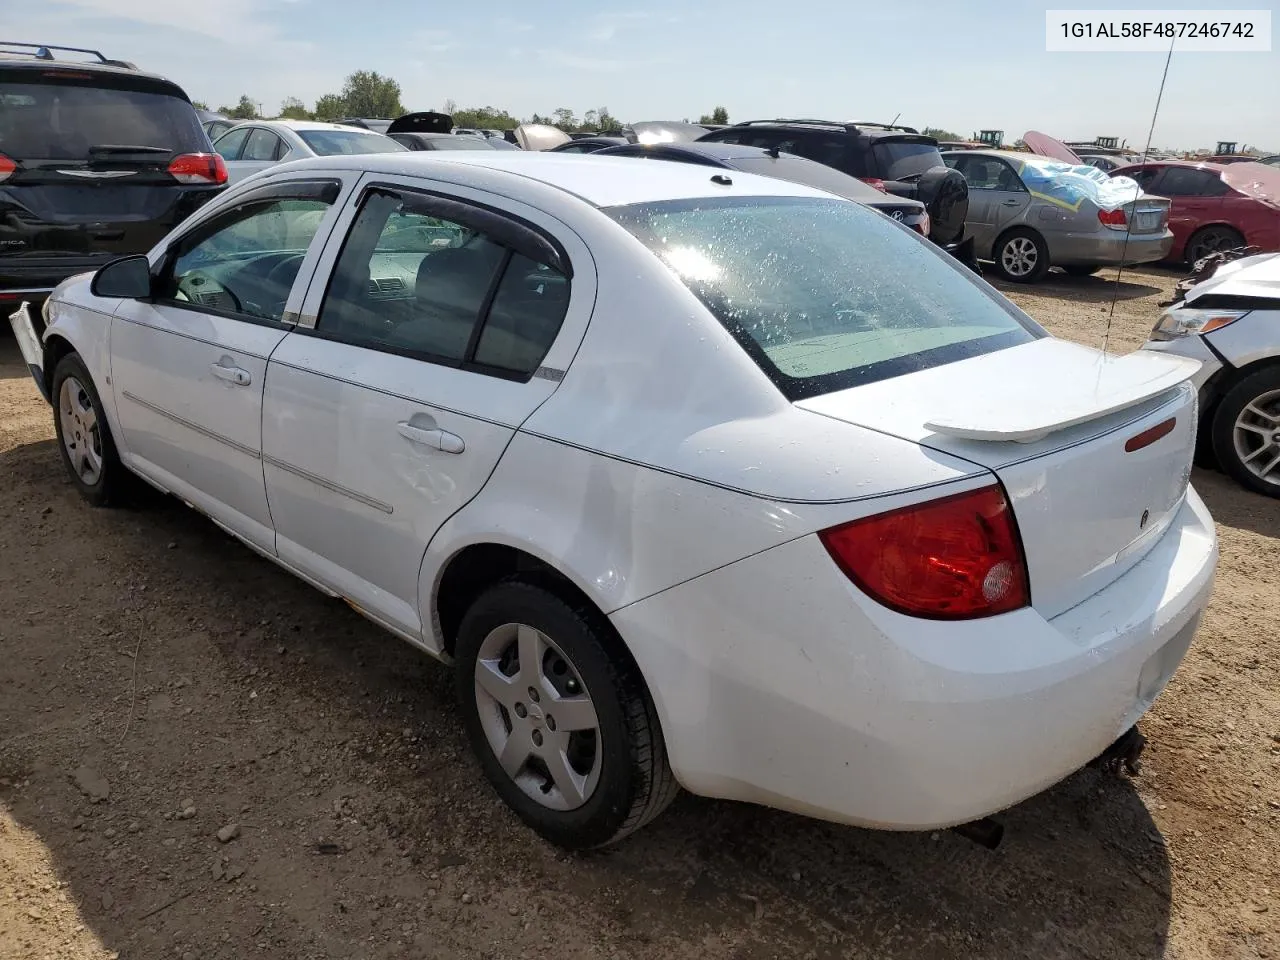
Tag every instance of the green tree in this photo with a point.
(483, 118)
(199, 104)
(719, 116)
(291, 108)
(330, 107)
(606, 122)
(246, 109)
(939, 134)
(564, 119)
(367, 93)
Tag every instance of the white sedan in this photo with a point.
(699, 478)
(250, 147)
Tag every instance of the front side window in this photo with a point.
(330, 143)
(245, 263)
(822, 293)
(411, 282)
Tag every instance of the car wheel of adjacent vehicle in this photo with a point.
(1021, 256)
(84, 436)
(559, 717)
(1246, 432)
(1082, 269)
(1209, 240)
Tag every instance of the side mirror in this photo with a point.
(128, 277)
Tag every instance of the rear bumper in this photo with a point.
(779, 683)
(1108, 248)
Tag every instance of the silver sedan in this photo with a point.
(250, 147)
(1025, 223)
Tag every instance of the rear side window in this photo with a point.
(230, 144)
(330, 143)
(410, 282)
(262, 145)
(1188, 182)
(62, 120)
(823, 294)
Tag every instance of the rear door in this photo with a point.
(389, 411)
(997, 198)
(1195, 198)
(188, 365)
(84, 169)
(262, 149)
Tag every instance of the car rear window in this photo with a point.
(900, 159)
(811, 174)
(62, 120)
(329, 143)
(823, 294)
(460, 143)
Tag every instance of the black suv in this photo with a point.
(97, 160)
(899, 160)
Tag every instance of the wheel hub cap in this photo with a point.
(1019, 256)
(1256, 437)
(80, 436)
(538, 716)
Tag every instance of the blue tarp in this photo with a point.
(1068, 185)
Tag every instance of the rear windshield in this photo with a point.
(901, 159)
(329, 143)
(825, 294)
(55, 120)
(460, 143)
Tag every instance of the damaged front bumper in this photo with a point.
(24, 330)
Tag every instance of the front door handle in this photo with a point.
(435, 438)
(232, 374)
(1010, 203)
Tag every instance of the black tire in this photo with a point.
(635, 781)
(1212, 239)
(1263, 385)
(112, 480)
(1038, 252)
(1082, 269)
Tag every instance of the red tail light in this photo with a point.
(7, 167)
(957, 558)
(1113, 218)
(198, 168)
(921, 226)
(874, 182)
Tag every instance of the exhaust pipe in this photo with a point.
(1124, 754)
(985, 832)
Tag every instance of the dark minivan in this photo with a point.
(97, 160)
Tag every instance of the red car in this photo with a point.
(1214, 206)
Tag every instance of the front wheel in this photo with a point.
(1021, 256)
(84, 436)
(1246, 432)
(559, 718)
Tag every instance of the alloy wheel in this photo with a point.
(1256, 435)
(81, 437)
(538, 716)
(1019, 256)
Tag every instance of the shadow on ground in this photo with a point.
(150, 647)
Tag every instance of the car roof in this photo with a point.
(10, 61)
(1011, 155)
(1193, 164)
(600, 181)
(310, 125)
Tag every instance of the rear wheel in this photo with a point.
(559, 718)
(1082, 269)
(1246, 432)
(1021, 256)
(1209, 240)
(84, 437)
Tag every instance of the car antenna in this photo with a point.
(1115, 292)
(895, 119)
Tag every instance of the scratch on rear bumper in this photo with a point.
(24, 330)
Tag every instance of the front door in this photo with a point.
(391, 412)
(189, 363)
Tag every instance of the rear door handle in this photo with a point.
(1011, 203)
(435, 438)
(231, 373)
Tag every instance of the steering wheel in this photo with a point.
(196, 286)
(275, 276)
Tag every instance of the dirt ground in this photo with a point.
(159, 682)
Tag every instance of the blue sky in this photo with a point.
(958, 65)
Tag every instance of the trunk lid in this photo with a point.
(1069, 433)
